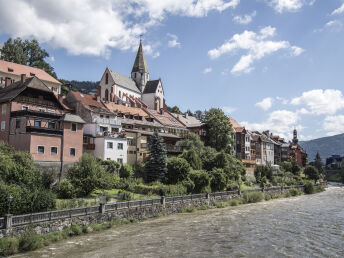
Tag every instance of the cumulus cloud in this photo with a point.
(339, 10)
(207, 70)
(286, 5)
(265, 104)
(244, 19)
(173, 42)
(258, 46)
(94, 27)
(334, 125)
(320, 102)
(280, 122)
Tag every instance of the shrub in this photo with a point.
(65, 189)
(232, 186)
(309, 188)
(174, 190)
(30, 241)
(126, 171)
(111, 166)
(75, 230)
(48, 179)
(220, 204)
(312, 173)
(192, 158)
(189, 185)
(203, 207)
(126, 196)
(177, 170)
(201, 180)
(128, 184)
(253, 197)
(233, 202)
(218, 180)
(139, 170)
(8, 246)
(294, 192)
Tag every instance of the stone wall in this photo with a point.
(167, 206)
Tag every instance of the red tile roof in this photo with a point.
(90, 102)
(236, 126)
(126, 110)
(165, 118)
(19, 69)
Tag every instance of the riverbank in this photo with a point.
(30, 240)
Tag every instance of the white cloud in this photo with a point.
(339, 10)
(321, 101)
(173, 42)
(94, 27)
(244, 19)
(258, 46)
(280, 122)
(334, 125)
(265, 104)
(282, 100)
(228, 110)
(207, 70)
(286, 5)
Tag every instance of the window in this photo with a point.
(51, 111)
(53, 150)
(3, 108)
(131, 142)
(72, 152)
(120, 161)
(25, 108)
(107, 117)
(51, 125)
(3, 125)
(41, 109)
(73, 127)
(17, 123)
(110, 145)
(120, 146)
(38, 123)
(10, 70)
(40, 149)
(53, 89)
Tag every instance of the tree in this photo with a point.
(201, 180)
(87, 175)
(189, 113)
(208, 157)
(218, 180)
(199, 115)
(193, 158)
(177, 170)
(176, 110)
(156, 163)
(318, 163)
(26, 52)
(219, 135)
(126, 171)
(192, 141)
(295, 167)
(312, 173)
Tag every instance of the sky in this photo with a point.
(269, 64)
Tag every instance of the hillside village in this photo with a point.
(115, 123)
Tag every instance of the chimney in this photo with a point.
(22, 77)
(7, 81)
(98, 98)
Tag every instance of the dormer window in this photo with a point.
(10, 70)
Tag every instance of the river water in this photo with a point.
(303, 226)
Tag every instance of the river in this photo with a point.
(303, 226)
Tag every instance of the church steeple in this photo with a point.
(140, 73)
(295, 139)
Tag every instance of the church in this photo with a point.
(137, 90)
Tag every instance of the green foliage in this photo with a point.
(126, 171)
(88, 174)
(189, 185)
(8, 246)
(294, 192)
(318, 163)
(309, 188)
(312, 173)
(65, 190)
(177, 170)
(192, 158)
(156, 164)
(75, 230)
(26, 52)
(127, 196)
(208, 158)
(218, 180)
(253, 197)
(201, 180)
(47, 179)
(295, 168)
(220, 130)
(174, 190)
(233, 202)
(111, 166)
(263, 171)
(139, 170)
(175, 110)
(192, 141)
(30, 241)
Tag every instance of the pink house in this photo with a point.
(33, 119)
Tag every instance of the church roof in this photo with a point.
(151, 86)
(124, 81)
(140, 64)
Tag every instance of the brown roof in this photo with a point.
(165, 118)
(90, 102)
(236, 126)
(19, 69)
(126, 110)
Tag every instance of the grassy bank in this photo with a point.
(30, 241)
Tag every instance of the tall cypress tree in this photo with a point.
(318, 163)
(156, 164)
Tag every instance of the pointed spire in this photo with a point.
(140, 64)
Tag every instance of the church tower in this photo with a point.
(295, 140)
(140, 73)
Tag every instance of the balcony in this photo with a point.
(174, 149)
(43, 130)
(108, 121)
(89, 146)
(36, 101)
(33, 113)
(111, 134)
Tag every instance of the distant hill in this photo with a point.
(326, 146)
(82, 86)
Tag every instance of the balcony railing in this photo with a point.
(33, 113)
(112, 134)
(36, 101)
(109, 121)
(89, 146)
(43, 130)
(174, 148)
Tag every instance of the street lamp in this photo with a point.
(9, 198)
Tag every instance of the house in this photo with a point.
(334, 162)
(11, 72)
(297, 152)
(103, 135)
(192, 124)
(33, 119)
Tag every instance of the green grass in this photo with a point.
(336, 177)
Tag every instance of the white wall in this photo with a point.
(115, 153)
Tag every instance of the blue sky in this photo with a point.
(270, 64)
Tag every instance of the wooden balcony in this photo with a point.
(43, 130)
(89, 146)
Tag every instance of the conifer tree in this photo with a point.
(156, 164)
(318, 163)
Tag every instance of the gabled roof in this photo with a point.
(126, 110)
(165, 118)
(11, 91)
(29, 71)
(124, 81)
(188, 121)
(90, 102)
(236, 126)
(151, 86)
(73, 118)
(140, 64)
